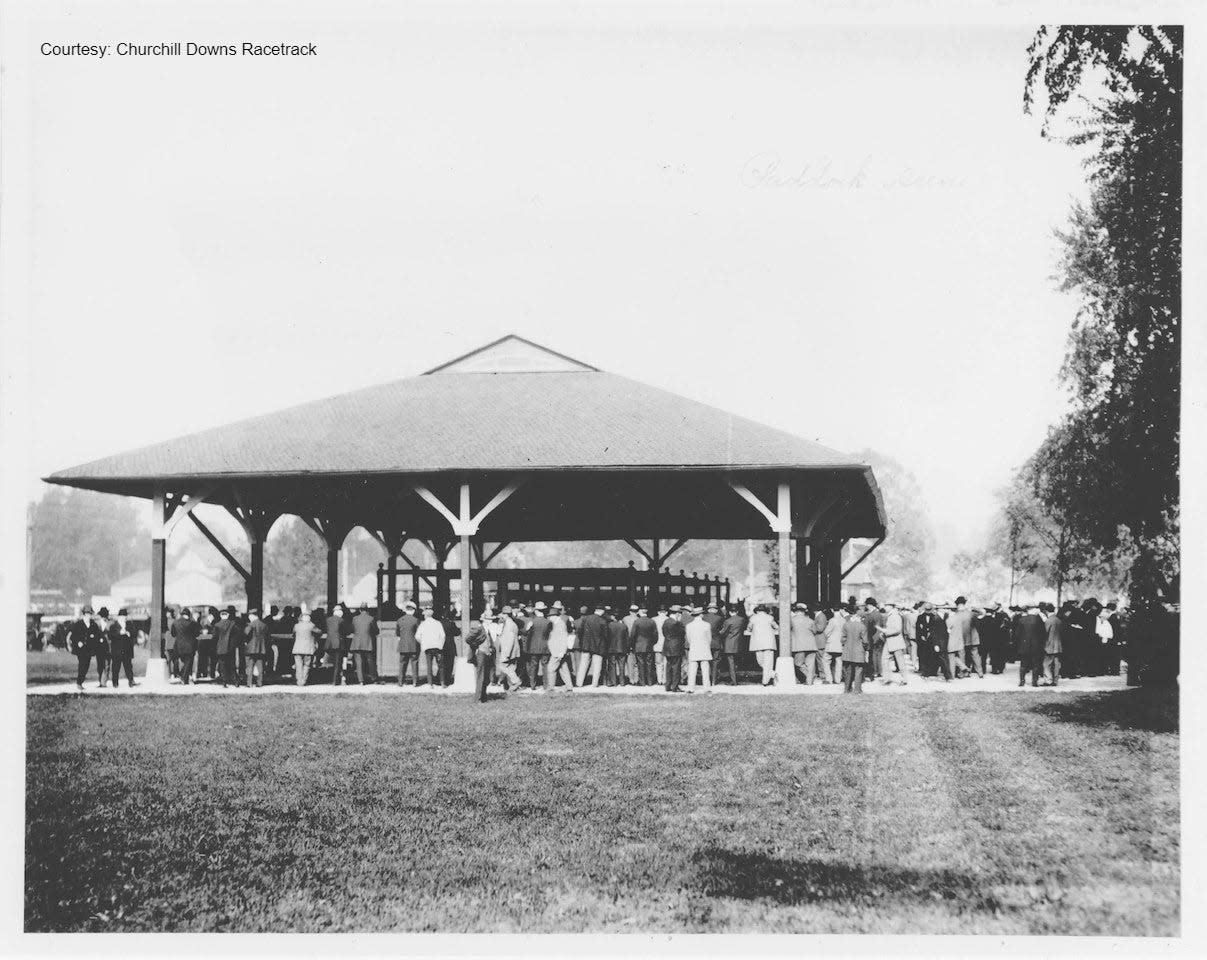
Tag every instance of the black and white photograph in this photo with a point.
(624, 470)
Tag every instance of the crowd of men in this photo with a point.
(539, 647)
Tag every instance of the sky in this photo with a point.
(843, 231)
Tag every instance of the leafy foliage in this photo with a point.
(903, 566)
(83, 542)
(1110, 470)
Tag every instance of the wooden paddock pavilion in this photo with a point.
(512, 442)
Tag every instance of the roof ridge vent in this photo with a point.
(512, 354)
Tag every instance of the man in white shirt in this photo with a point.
(431, 637)
(659, 659)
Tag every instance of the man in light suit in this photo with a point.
(959, 624)
(1053, 646)
(855, 646)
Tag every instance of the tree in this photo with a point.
(1040, 542)
(1115, 456)
(903, 564)
(978, 575)
(295, 564)
(83, 542)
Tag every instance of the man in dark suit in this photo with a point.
(618, 652)
(642, 636)
(121, 648)
(80, 643)
(364, 636)
(925, 628)
(674, 640)
(337, 633)
(187, 632)
(479, 650)
(591, 631)
(715, 621)
(873, 620)
(1030, 637)
(536, 647)
(258, 641)
(408, 645)
(227, 635)
(98, 623)
(732, 632)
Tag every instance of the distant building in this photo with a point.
(191, 581)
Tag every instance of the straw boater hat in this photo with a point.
(557, 605)
(540, 605)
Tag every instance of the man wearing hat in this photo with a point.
(507, 656)
(480, 651)
(959, 628)
(256, 646)
(674, 642)
(924, 628)
(408, 645)
(713, 617)
(226, 638)
(561, 636)
(79, 644)
(121, 647)
(855, 646)
(729, 641)
(642, 636)
(801, 643)
(1031, 638)
(1053, 646)
(187, 632)
(339, 629)
(618, 652)
(432, 637)
(593, 642)
(630, 667)
(536, 647)
(363, 642)
(872, 621)
(699, 649)
(98, 624)
(894, 645)
(659, 659)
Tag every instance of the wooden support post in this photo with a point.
(380, 575)
(255, 582)
(157, 667)
(415, 586)
(654, 565)
(159, 553)
(466, 587)
(785, 591)
(391, 581)
(802, 573)
(332, 578)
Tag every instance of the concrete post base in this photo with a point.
(785, 672)
(158, 674)
(463, 675)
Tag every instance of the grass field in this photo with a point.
(59, 666)
(983, 813)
